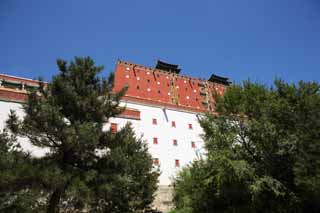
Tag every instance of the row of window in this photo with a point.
(158, 76)
(174, 142)
(114, 126)
(156, 162)
(173, 123)
(114, 129)
(154, 122)
(177, 87)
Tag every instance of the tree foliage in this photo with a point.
(88, 167)
(263, 152)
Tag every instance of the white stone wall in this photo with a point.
(5, 108)
(165, 151)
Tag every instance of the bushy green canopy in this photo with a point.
(88, 167)
(263, 152)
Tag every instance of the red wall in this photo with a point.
(146, 85)
(11, 95)
(16, 95)
(154, 86)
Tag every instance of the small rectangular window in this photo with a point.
(114, 127)
(154, 121)
(155, 140)
(173, 123)
(175, 142)
(193, 144)
(190, 126)
(156, 161)
(177, 163)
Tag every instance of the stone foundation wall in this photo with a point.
(163, 198)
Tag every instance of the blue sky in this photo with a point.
(256, 39)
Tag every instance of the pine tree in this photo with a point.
(87, 168)
(263, 152)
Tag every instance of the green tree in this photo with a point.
(263, 152)
(15, 164)
(87, 168)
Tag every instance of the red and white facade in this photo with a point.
(162, 106)
(169, 106)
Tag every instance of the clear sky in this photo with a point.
(256, 39)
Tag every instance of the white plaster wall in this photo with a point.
(5, 108)
(164, 150)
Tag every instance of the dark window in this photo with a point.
(173, 123)
(177, 163)
(156, 161)
(193, 144)
(154, 121)
(114, 127)
(175, 142)
(155, 140)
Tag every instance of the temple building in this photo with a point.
(162, 105)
